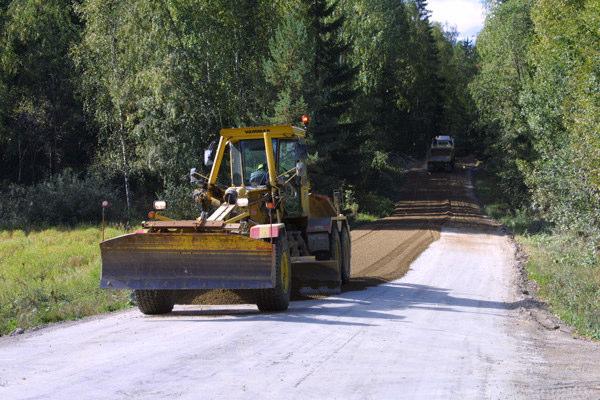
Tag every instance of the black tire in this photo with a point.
(152, 302)
(278, 298)
(335, 248)
(346, 254)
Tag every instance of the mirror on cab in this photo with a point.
(209, 154)
(193, 176)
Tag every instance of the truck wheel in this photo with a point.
(152, 302)
(346, 254)
(335, 248)
(278, 298)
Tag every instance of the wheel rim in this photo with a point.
(285, 273)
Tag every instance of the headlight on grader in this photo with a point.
(242, 202)
(160, 205)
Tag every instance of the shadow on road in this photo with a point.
(387, 301)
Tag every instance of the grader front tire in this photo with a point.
(278, 298)
(346, 255)
(153, 302)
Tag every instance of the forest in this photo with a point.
(117, 100)
(537, 92)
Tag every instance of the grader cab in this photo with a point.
(260, 231)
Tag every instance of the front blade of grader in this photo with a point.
(187, 261)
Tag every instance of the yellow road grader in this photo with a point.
(266, 234)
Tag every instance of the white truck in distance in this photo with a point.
(441, 154)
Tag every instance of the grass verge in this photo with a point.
(362, 218)
(565, 267)
(52, 275)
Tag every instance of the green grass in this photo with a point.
(362, 218)
(566, 267)
(567, 271)
(52, 275)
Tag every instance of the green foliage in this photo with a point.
(539, 104)
(333, 132)
(412, 81)
(498, 206)
(180, 204)
(52, 275)
(563, 105)
(538, 97)
(371, 203)
(64, 199)
(287, 70)
(380, 33)
(42, 128)
(565, 265)
(504, 73)
(136, 90)
(457, 68)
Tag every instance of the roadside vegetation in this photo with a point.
(565, 266)
(539, 119)
(52, 275)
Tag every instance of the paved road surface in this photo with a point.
(453, 327)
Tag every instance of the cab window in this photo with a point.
(253, 162)
(287, 156)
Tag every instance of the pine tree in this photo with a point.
(332, 131)
(289, 66)
(428, 103)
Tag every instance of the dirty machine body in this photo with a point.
(260, 231)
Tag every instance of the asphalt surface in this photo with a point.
(434, 311)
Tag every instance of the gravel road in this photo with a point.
(433, 311)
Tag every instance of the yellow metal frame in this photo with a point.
(214, 172)
(258, 132)
(270, 158)
(266, 133)
(238, 218)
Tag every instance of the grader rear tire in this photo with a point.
(153, 302)
(335, 253)
(346, 255)
(278, 298)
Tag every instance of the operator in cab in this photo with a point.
(259, 177)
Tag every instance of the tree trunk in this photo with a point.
(125, 174)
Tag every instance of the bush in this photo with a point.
(180, 204)
(374, 204)
(64, 199)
